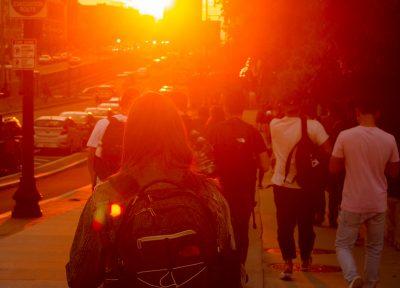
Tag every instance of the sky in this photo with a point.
(148, 7)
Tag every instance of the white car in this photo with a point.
(166, 89)
(98, 113)
(75, 60)
(100, 93)
(79, 117)
(45, 59)
(116, 100)
(142, 72)
(57, 132)
(111, 106)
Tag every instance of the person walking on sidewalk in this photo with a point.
(239, 150)
(158, 200)
(96, 161)
(294, 205)
(365, 153)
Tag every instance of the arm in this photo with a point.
(336, 165)
(264, 161)
(92, 144)
(393, 169)
(326, 147)
(92, 173)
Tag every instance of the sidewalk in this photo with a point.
(325, 237)
(34, 251)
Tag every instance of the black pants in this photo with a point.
(240, 198)
(240, 223)
(294, 207)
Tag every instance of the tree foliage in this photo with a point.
(318, 46)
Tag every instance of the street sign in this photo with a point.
(28, 9)
(24, 54)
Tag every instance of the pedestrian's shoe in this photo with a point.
(306, 264)
(287, 272)
(357, 282)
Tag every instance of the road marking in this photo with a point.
(45, 201)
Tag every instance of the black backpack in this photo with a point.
(110, 160)
(166, 237)
(311, 165)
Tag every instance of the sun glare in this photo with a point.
(154, 8)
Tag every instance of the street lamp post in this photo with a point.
(27, 196)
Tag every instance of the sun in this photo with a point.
(154, 8)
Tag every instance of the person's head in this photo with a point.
(127, 99)
(367, 107)
(291, 105)
(155, 134)
(217, 113)
(234, 101)
(367, 93)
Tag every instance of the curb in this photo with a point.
(14, 178)
(45, 201)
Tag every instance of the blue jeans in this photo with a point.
(346, 236)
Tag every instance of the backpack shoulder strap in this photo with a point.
(289, 159)
(304, 129)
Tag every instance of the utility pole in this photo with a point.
(27, 196)
(2, 41)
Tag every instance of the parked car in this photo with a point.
(115, 100)
(100, 93)
(84, 122)
(10, 146)
(75, 60)
(142, 72)
(98, 113)
(45, 59)
(166, 89)
(111, 106)
(57, 132)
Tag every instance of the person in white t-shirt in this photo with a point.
(365, 152)
(293, 204)
(94, 142)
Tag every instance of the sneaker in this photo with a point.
(357, 282)
(287, 273)
(305, 265)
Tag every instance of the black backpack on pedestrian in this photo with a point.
(110, 161)
(311, 166)
(166, 237)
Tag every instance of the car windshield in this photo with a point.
(49, 123)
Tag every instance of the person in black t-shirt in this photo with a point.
(238, 151)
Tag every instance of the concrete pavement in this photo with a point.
(34, 251)
(324, 258)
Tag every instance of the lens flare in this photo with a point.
(116, 210)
